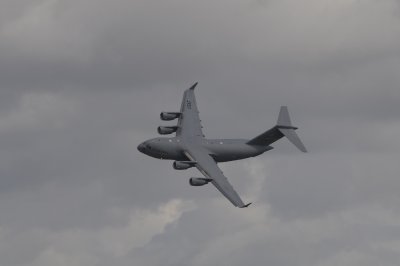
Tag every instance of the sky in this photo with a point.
(82, 83)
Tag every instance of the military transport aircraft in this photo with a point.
(189, 148)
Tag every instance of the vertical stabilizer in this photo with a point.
(284, 118)
(283, 128)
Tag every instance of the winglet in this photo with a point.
(193, 86)
(247, 205)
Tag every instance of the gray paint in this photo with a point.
(190, 144)
(222, 150)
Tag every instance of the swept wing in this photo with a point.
(209, 168)
(189, 124)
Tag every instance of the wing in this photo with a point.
(208, 167)
(189, 122)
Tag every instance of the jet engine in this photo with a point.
(166, 130)
(199, 181)
(182, 165)
(167, 116)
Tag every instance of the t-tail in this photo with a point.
(283, 128)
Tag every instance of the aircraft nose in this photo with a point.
(141, 147)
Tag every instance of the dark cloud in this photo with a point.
(82, 83)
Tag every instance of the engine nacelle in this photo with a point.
(166, 130)
(167, 116)
(182, 165)
(199, 181)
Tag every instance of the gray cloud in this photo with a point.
(83, 82)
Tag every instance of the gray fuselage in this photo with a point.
(222, 150)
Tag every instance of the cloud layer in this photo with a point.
(82, 83)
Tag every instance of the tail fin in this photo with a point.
(284, 118)
(283, 127)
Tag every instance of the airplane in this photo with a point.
(189, 148)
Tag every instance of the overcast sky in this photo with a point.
(82, 83)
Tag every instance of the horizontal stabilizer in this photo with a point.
(283, 128)
(291, 135)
